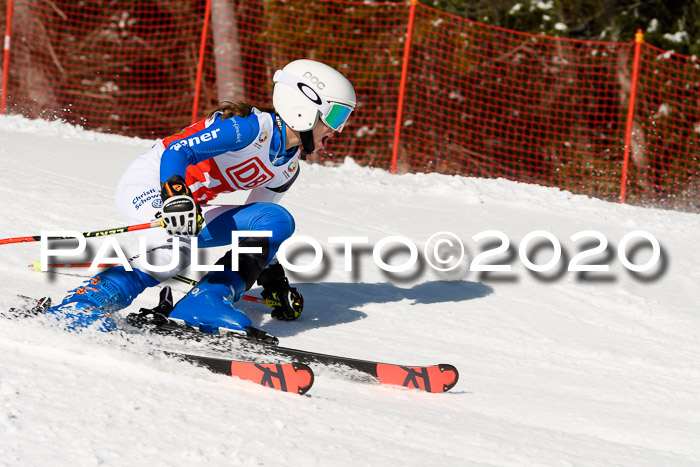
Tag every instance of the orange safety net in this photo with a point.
(475, 100)
(665, 149)
(124, 67)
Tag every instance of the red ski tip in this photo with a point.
(304, 377)
(286, 377)
(450, 376)
(436, 378)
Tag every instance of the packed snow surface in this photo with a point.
(557, 367)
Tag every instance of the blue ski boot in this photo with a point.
(209, 307)
(107, 292)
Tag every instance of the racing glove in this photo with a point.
(182, 215)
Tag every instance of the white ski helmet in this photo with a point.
(306, 90)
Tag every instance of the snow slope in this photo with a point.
(557, 368)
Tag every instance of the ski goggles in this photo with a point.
(337, 116)
(333, 114)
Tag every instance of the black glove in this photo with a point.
(276, 287)
(181, 214)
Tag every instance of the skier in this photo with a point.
(236, 147)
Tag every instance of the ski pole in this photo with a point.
(265, 301)
(249, 298)
(37, 267)
(94, 233)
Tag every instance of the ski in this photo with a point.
(286, 377)
(30, 306)
(432, 378)
(294, 377)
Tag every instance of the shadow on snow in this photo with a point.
(329, 304)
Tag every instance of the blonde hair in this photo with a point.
(238, 108)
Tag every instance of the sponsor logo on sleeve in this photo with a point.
(151, 196)
(202, 138)
(239, 136)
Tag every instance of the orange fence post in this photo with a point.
(200, 62)
(6, 59)
(402, 85)
(638, 39)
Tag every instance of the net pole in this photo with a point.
(200, 62)
(6, 58)
(402, 85)
(638, 41)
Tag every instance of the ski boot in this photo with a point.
(207, 308)
(106, 293)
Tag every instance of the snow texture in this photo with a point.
(557, 368)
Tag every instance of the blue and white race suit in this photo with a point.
(214, 156)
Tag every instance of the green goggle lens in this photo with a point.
(337, 116)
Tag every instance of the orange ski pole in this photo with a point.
(94, 233)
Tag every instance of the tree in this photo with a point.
(667, 24)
